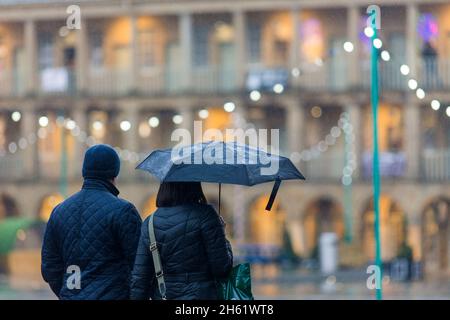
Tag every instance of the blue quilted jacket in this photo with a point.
(194, 253)
(96, 233)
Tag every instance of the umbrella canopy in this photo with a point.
(220, 162)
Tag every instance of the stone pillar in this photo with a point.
(79, 115)
(239, 215)
(353, 61)
(82, 58)
(239, 115)
(295, 126)
(295, 55)
(188, 117)
(131, 137)
(185, 33)
(414, 234)
(130, 140)
(29, 127)
(355, 118)
(240, 37)
(31, 56)
(411, 137)
(295, 45)
(412, 15)
(134, 72)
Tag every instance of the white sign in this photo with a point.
(54, 80)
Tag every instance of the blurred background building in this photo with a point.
(136, 70)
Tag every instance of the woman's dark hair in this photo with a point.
(172, 194)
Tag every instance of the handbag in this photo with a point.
(238, 284)
(156, 259)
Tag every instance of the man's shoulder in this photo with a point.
(126, 210)
(70, 201)
(101, 198)
(125, 204)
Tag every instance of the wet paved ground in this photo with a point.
(272, 283)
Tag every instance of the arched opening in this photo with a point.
(393, 228)
(149, 206)
(267, 228)
(48, 204)
(8, 206)
(322, 215)
(435, 231)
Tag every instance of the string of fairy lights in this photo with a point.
(306, 155)
(45, 128)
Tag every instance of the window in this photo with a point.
(46, 57)
(96, 45)
(148, 43)
(201, 45)
(254, 37)
(281, 50)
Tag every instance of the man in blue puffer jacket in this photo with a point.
(91, 238)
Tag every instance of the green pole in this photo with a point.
(376, 164)
(347, 193)
(63, 183)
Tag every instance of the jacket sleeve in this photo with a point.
(142, 277)
(127, 225)
(218, 248)
(52, 267)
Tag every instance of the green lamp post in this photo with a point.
(376, 162)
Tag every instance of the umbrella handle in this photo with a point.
(273, 194)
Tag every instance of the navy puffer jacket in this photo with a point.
(98, 233)
(194, 253)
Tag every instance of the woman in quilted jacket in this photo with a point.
(191, 241)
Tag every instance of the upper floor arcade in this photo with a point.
(212, 49)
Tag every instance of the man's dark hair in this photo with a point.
(172, 194)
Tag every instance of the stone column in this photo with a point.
(414, 234)
(188, 117)
(295, 125)
(240, 37)
(131, 137)
(31, 56)
(185, 33)
(353, 17)
(411, 137)
(134, 72)
(239, 115)
(29, 127)
(355, 118)
(79, 115)
(130, 141)
(295, 45)
(412, 14)
(295, 57)
(239, 214)
(82, 58)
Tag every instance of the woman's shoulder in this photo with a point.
(199, 209)
(193, 208)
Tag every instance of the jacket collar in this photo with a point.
(99, 184)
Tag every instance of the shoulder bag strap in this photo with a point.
(156, 259)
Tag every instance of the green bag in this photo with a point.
(238, 285)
